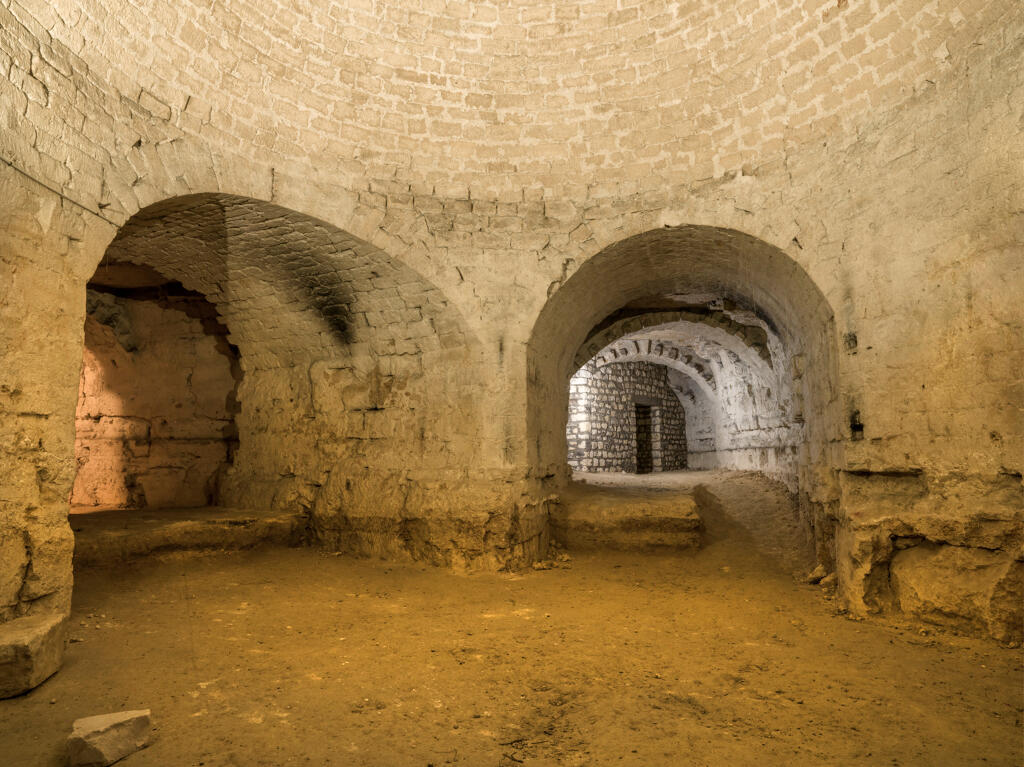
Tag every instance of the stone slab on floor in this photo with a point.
(588, 518)
(99, 741)
(31, 651)
(121, 534)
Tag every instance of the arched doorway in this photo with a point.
(747, 341)
(341, 350)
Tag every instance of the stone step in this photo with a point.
(587, 518)
(103, 537)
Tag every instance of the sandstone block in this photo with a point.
(97, 741)
(584, 519)
(31, 650)
(974, 590)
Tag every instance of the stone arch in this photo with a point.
(707, 387)
(350, 346)
(714, 320)
(686, 359)
(733, 269)
(337, 339)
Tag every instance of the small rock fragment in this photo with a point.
(31, 650)
(98, 741)
(817, 574)
(828, 583)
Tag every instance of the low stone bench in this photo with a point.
(104, 537)
(589, 518)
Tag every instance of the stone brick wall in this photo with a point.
(602, 432)
(155, 420)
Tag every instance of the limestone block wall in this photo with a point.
(849, 171)
(156, 407)
(42, 313)
(602, 432)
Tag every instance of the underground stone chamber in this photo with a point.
(454, 197)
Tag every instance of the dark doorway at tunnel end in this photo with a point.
(644, 439)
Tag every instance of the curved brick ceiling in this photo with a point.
(527, 87)
(663, 352)
(289, 287)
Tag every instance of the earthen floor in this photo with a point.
(281, 656)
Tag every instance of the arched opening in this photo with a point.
(155, 423)
(736, 331)
(302, 361)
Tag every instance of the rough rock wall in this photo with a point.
(872, 147)
(602, 429)
(155, 420)
(42, 312)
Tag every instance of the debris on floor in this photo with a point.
(98, 741)
(829, 582)
(816, 575)
(558, 558)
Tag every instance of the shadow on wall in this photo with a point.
(748, 330)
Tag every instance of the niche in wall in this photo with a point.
(155, 423)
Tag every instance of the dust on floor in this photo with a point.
(296, 657)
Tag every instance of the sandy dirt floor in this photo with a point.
(719, 657)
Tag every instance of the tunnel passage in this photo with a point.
(155, 423)
(718, 371)
(744, 337)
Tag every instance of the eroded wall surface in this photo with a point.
(868, 150)
(155, 423)
(602, 429)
